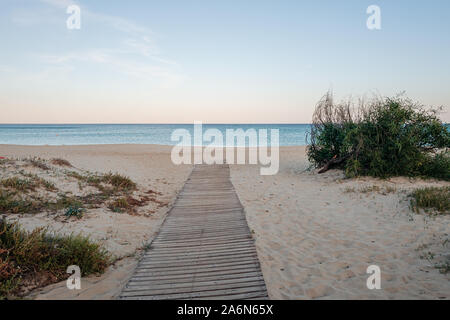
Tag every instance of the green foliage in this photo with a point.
(25, 185)
(117, 181)
(24, 255)
(18, 184)
(74, 211)
(431, 198)
(387, 137)
(14, 203)
(438, 166)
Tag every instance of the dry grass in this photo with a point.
(384, 190)
(15, 183)
(128, 204)
(431, 199)
(22, 192)
(38, 163)
(61, 162)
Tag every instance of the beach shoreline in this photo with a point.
(315, 234)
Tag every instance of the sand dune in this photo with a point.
(123, 235)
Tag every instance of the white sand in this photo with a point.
(315, 237)
(315, 234)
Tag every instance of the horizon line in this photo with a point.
(166, 123)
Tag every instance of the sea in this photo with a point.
(88, 134)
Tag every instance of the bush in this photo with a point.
(26, 256)
(386, 137)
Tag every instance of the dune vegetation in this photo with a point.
(33, 259)
(384, 137)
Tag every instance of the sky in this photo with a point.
(251, 61)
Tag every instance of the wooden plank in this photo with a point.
(177, 259)
(204, 248)
(201, 250)
(169, 244)
(147, 291)
(227, 294)
(213, 239)
(200, 268)
(195, 262)
(189, 278)
(203, 271)
(186, 284)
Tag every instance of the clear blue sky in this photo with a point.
(251, 61)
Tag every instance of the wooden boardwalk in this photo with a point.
(204, 249)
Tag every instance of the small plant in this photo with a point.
(11, 202)
(75, 175)
(349, 190)
(25, 185)
(119, 205)
(384, 190)
(120, 182)
(18, 184)
(117, 181)
(74, 210)
(38, 163)
(61, 162)
(443, 268)
(436, 198)
(48, 185)
(368, 189)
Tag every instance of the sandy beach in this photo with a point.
(315, 234)
(123, 235)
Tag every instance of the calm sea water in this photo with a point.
(82, 134)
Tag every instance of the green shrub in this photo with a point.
(387, 137)
(438, 166)
(24, 255)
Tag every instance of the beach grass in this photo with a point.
(21, 191)
(33, 259)
(431, 198)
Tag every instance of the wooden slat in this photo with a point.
(204, 248)
(190, 277)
